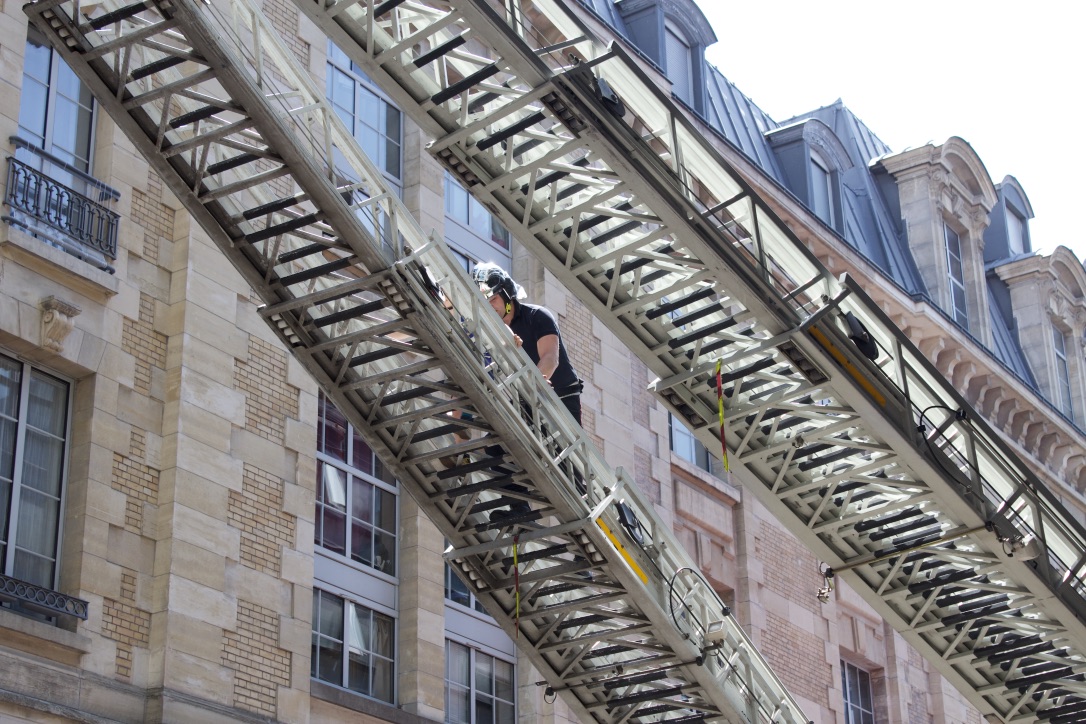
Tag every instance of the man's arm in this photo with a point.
(547, 347)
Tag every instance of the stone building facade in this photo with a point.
(241, 555)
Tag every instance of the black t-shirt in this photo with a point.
(532, 322)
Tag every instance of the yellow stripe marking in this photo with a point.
(622, 551)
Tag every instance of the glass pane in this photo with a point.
(865, 689)
(382, 636)
(330, 662)
(48, 408)
(361, 454)
(484, 673)
(334, 531)
(43, 461)
(382, 679)
(33, 569)
(361, 499)
(5, 501)
(330, 615)
(505, 713)
(362, 544)
(384, 553)
(484, 709)
(503, 680)
(457, 663)
(358, 676)
(385, 515)
(37, 523)
(334, 487)
(332, 431)
(455, 590)
(457, 705)
(32, 104)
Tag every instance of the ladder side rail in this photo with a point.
(283, 307)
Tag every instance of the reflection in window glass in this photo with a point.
(458, 593)
(858, 699)
(356, 502)
(33, 432)
(1016, 234)
(478, 687)
(956, 273)
(352, 646)
(688, 447)
(476, 230)
(822, 191)
(679, 62)
(1063, 374)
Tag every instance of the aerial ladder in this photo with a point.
(562, 550)
(834, 420)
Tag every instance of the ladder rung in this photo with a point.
(677, 304)
(651, 695)
(511, 130)
(271, 206)
(426, 58)
(642, 678)
(355, 311)
(461, 470)
(301, 253)
(307, 274)
(386, 6)
(548, 552)
(583, 621)
(226, 164)
(864, 525)
(566, 588)
(193, 116)
(283, 228)
(937, 581)
(706, 331)
(1008, 643)
(526, 517)
(1039, 678)
(912, 525)
(462, 85)
(1038, 648)
(118, 15)
(970, 615)
(156, 66)
(698, 314)
(614, 233)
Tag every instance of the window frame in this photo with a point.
(1017, 233)
(21, 422)
(960, 314)
(348, 467)
(340, 62)
(823, 188)
(465, 234)
(316, 634)
(683, 83)
(1063, 392)
(854, 711)
(695, 453)
(474, 651)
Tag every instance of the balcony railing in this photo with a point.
(60, 215)
(40, 600)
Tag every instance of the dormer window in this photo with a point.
(822, 190)
(1016, 233)
(678, 58)
(956, 274)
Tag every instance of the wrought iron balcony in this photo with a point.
(57, 213)
(40, 600)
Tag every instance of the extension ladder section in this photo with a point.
(560, 549)
(839, 424)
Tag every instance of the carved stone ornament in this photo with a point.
(56, 322)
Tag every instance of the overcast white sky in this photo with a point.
(1006, 77)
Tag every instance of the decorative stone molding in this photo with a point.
(57, 321)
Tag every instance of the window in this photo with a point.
(1063, 375)
(33, 457)
(356, 514)
(56, 114)
(375, 123)
(859, 703)
(688, 447)
(956, 273)
(478, 687)
(822, 191)
(1016, 234)
(475, 231)
(679, 62)
(352, 646)
(457, 592)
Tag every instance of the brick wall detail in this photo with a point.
(126, 624)
(139, 339)
(798, 657)
(265, 528)
(252, 652)
(791, 570)
(137, 480)
(283, 15)
(269, 400)
(154, 217)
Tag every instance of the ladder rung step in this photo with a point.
(958, 595)
(811, 449)
(888, 520)
(642, 678)
(991, 600)
(369, 357)
(307, 274)
(570, 191)
(943, 580)
(462, 85)
(449, 45)
(527, 517)
(226, 164)
(923, 522)
(351, 313)
(594, 221)
(687, 719)
(748, 370)
(651, 695)
(654, 710)
(698, 314)
(410, 394)
(615, 232)
(722, 343)
(461, 470)
(970, 615)
(283, 228)
(479, 101)
(157, 66)
(1076, 707)
(1008, 643)
(545, 180)
(117, 15)
(900, 545)
(993, 630)
(489, 484)
(193, 116)
(511, 130)
(677, 304)
(1038, 648)
(582, 621)
(300, 253)
(566, 588)
(271, 206)
(827, 459)
(1048, 675)
(436, 432)
(387, 6)
(548, 552)
(496, 503)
